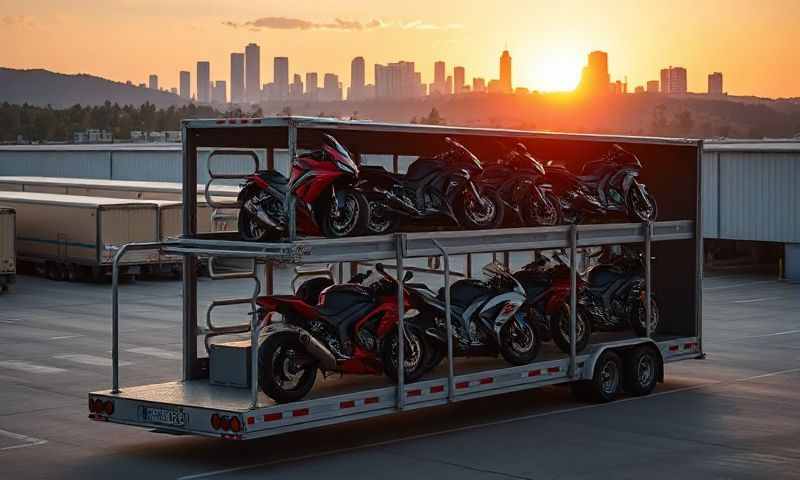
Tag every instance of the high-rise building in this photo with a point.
(715, 83)
(398, 80)
(357, 79)
(331, 88)
(312, 86)
(505, 72)
(203, 82)
(638, 89)
(186, 84)
(281, 76)
(218, 92)
(173, 90)
(595, 78)
(152, 82)
(478, 85)
(673, 80)
(296, 87)
(252, 74)
(458, 80)
(237, 78)
(652, 86)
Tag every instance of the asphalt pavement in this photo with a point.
(735, 414)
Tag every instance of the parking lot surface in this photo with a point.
(735, 414)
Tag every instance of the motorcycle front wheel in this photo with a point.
(348, 219)
(379, 220)
(414, 355)
(641, 208)
(519, 344)
(472, 214)
(280, 375)
(639, 315)
(559, 329)
(542, 214)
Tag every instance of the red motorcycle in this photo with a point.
(321, 183)
(353, 329)
(547, 287)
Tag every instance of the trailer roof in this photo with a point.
(161, 187)
(772, 146)
(76, 200)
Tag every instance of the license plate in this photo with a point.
(164, 416)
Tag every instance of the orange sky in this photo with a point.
(753, 43)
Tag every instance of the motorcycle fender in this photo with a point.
(511, 302)
(280, 327)
(628, 180)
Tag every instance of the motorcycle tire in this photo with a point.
(417, 349)
(532, 212)
(637, 321)
(272, 357)
(633, 212)
(357, 216)
(583, 326)
(514, 353)
(469, 221)
(379, 221)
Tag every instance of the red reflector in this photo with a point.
(300, 412)
(232, 121)
(244, 121)
(437, 389)
(369, 400)
(225, 423)
(251, 420)
(348, 404)
(414, 393)
(534, 373)
(553, 370)
(216, 422)
(270, 417)
(220, 122)
(673, 348)
(256, 120)
(462, 384)
(109, 408)
(91, 405)
(236, 424)
(98, 405)
(484, 381)
(688, 345)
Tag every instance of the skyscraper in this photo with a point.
(296, 87)
(397, 80)
(594, 77)
(218, 92)
(478, 85)
(331, 88)
(186, 84)
(673, 80)
(357, 79)
(458, 80)
(312, 85)
(281, 76)
(665, 80)
(652, 86)
(505, 72)
(439, 78)
(715, 83)
(252, 65)
(152, 82)
(237, 77)
(203, 82)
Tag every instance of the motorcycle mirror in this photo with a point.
(408, 275)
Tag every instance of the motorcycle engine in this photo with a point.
(320, 332)
(367, 340)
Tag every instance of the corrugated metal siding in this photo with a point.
(55, 164)
(710, 194)
(146, 166)
(758, 196)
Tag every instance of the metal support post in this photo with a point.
(401, 332)
(189, 287)
(451, 387)
(648, 235)
(395, 163)
(468, 271)
(254, 331)
(573, 297)
(290, 199)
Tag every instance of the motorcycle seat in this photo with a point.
(421, 168)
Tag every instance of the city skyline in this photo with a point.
(549, 42)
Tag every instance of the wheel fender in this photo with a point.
(281, 327)
(587, 372)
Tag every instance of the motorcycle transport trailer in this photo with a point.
(199, 404)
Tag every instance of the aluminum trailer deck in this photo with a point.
(188, 406)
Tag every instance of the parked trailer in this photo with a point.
(8, 256)
(211, 219)
(196, 405)
(66, 235)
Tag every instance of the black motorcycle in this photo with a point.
(438, 186)
(518, 177)
(606, 185)
(486, 317)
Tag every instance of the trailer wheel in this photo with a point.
(642, 367)
(605, 383)
(73, 272)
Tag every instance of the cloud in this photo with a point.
(17, 20)
(285, 23)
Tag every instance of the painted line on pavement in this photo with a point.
(155, 352)
(28, 441)
(28, 367)
(754, 300)
(737, 285)
(89, 360)
(65, 337)
(476, 426)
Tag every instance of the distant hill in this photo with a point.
(42, 87)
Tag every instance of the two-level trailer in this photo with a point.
(218, 394)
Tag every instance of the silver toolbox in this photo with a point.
(229, 364)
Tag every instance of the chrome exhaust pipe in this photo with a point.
(319, 351)
(261, 216)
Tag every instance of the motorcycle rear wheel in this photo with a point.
(379, 220)
(472, 215)
(279, 377)
(542, 215)
(251, 230)
(638, 314)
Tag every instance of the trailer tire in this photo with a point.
(642, 370)
(605, 384)
(270, 380)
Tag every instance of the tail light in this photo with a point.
(216, 422)
(226, 423)
(98, 406)
(236, 425)
(109, 408)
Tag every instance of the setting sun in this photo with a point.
(555, 70)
